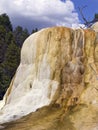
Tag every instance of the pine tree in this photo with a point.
(10, 44)
(20, 35)
(34, 30)
(4, 82)
(9, 54)
(12, 59)
(5, 21)
(2, 43)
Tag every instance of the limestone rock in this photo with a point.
(95, 27)
(57, 80)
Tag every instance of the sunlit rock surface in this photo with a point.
(57, 80)
(95, 27)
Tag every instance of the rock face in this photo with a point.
(95, 27)
(58, 73)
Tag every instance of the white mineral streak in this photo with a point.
(2, 103)
(32, 87)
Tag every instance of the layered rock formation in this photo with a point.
(59, 72)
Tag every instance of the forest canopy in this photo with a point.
(11, 41)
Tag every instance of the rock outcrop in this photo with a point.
(57, 79)
(95, 27)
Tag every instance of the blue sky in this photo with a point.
(47, 13)
(90, 10)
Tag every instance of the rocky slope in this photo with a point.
(57, 80)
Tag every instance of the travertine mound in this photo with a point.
(58, 73)
(95, 27)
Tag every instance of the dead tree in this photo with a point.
(86, 22)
